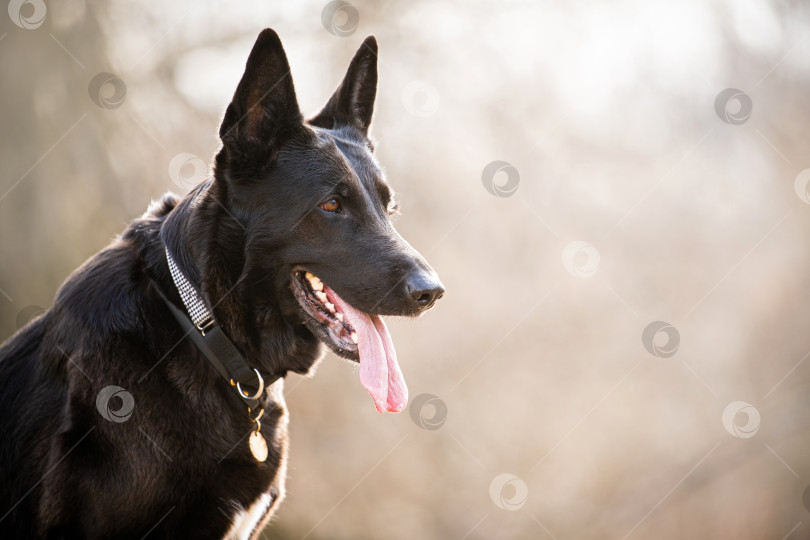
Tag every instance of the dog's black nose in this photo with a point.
(424, 289)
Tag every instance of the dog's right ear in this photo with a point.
(352, 104)
(264, 109)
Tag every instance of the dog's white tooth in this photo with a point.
(330, 306)
(321, 296)
(339, 316)
(314, 281)
(354, 336)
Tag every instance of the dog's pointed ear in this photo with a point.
(264, 108)
(352, 103)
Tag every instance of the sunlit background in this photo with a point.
(635, 192)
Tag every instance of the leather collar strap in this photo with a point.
(206, 334)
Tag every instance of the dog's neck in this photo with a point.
(175, 233)
(208, 245)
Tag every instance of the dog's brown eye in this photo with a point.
(332, 206)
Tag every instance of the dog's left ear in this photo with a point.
(352, 104)
(264, 108)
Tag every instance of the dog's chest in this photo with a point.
(247, 520)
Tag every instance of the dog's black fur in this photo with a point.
(180, 466)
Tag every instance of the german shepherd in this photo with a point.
(117, 418)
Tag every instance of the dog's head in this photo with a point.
(317, 209)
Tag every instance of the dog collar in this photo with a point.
(220, 351)
(200, 325)
(197, 310)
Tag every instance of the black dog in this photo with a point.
(135, 405)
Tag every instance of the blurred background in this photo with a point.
(615, 196)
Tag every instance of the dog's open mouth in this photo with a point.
(355, 335)
(341, 336)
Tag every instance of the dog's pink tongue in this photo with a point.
(379, 370)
